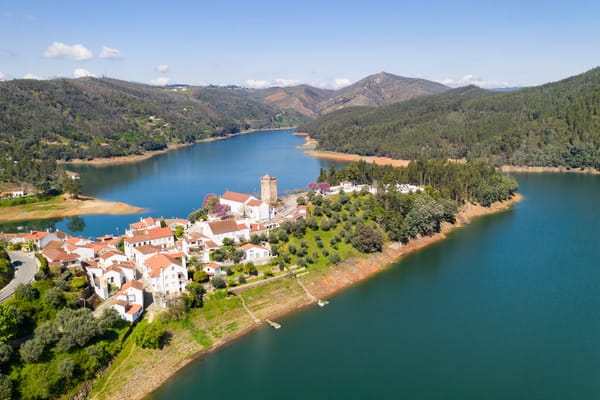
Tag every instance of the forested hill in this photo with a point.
(548, 125)
(89, 117)
(374, 90)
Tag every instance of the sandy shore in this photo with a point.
(145, 372)
(334, 156)
(150, 154)
(65, 207)
(561, 170)
(331, 155)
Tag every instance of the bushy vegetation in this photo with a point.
(49, 342)
(549, 125)
(6, 270)
(347, 224)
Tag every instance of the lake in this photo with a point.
(506, 308)
(174, 184)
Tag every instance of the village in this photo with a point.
(156, 258)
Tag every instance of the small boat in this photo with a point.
(322, 303)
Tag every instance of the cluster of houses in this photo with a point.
(348, 187)
(151, 258)
(13, 194)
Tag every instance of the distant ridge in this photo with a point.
(555, 124)
(374, 90)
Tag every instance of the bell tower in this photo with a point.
(268, 189)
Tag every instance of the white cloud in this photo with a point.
(281, 82)
(160, 81)
(75, 52)
(472, 80)
(339, 83)
(29, 75)
(110, 54)
(256, 84)
(81, 72)
(162, 68)
(336, 83)
(262, 84)
(2, 77)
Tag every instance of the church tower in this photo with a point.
(268, 189)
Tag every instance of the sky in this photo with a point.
(324, 43)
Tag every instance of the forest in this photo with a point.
(556, 124)
(63, 119)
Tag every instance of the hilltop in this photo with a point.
(374, 90)
(556, 124)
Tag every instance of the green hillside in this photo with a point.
(63, 119)
(90, 117)
(549, 125)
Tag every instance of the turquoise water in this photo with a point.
(175, 183)
(507, 308)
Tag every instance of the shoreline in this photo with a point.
(105, 161)
(64, 207)
(554, 170)
(347, 157)
(321, 285)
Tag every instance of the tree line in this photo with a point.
(555, 124)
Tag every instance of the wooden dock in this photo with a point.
(275, 325)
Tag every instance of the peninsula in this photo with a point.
(229, 267)
(65, 206)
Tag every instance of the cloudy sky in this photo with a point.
(325, 43)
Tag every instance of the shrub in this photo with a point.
(218, 282)
(150, 336)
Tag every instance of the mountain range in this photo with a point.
(382, 114)
(374, 90)
(555, 124)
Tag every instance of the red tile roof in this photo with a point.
(158, 262)
(110, 254)
(225, 226)
(254, 203)
(150, 234)
(35, 235)
(210, 244)
(249, 246)
(133, 308)
(234, 196)
(131, 284)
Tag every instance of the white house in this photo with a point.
(158, 237)
(57, 257)
(193, 241)
(103, 277)
(165, 274)
(246, 206)
(40, 238)
(86, 252)
(254, 252)
(212, 269)
(144, 223)
(142, 253)
(129, 301)
(110, 257)
(175, 222)
(228, 228)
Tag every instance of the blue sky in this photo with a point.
(324, 43)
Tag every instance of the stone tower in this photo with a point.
(268, 189)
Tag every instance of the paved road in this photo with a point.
(25, 269)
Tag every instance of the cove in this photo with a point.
(174, 184)
(506, 308)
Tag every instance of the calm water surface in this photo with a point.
(175, 183)
(507, 308)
